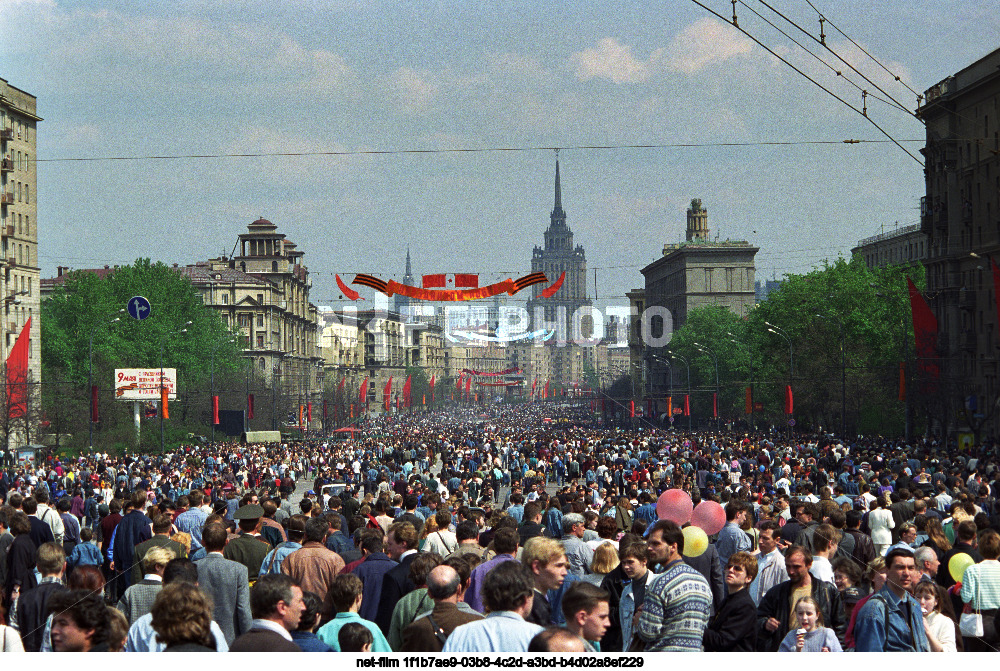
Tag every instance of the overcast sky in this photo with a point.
(142, 79)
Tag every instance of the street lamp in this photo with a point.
(212, 383)
(750, 357)
(715, 360)
(843, 373)
(90, 374)
(791, 357)
(688, 371)
(163, 342)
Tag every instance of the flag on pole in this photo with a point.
(215, 410)
(363, 396)
(17, 374)
(789, 400)
(309, 411)
(687, 405)
(631, 408)
(432, 392)
(386, 393)
(406, 393)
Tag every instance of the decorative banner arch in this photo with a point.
(471, 293)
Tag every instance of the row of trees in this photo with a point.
(838, 335)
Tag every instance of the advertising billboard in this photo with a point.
(143, 384)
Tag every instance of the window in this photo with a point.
(260, 319)
(260, 341)
(260, 299)
(225, 299)
(27, 194)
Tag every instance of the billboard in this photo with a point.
(143, 384)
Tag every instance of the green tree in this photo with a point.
(85, 307)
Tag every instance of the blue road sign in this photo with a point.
(138, 307)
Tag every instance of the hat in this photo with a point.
(251, 511)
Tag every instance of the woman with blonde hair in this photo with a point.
(604, 562)
(430, 527)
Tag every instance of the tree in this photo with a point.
(85, 306)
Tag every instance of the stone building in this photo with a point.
(691, 274)
(960, 215)
(904, 245)
(19, 282)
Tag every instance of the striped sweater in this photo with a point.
(676, 609)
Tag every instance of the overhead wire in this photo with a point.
(823, 43)
(799, 70)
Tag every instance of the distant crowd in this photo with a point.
(507, 530)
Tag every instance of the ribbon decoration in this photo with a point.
(498, 384)
(549, 291)
(349, 293)
(392, 287)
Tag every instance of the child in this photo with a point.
(86, 552)
(812, 636)
(355, 637)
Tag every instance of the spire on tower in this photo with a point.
(408, 270)
(558, 216)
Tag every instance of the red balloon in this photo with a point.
(709, 516)
(674, 505)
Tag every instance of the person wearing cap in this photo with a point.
(248, 548)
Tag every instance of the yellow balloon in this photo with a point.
(957, 565)
(695, 541)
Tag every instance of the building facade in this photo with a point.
(19, 282)
(691, 274)
(556, 257)
(960, 215)
(907, 244)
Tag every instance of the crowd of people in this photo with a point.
(505, 529)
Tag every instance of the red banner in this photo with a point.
(17, 374)
(533, 385)
(498, 384)
(715, 405)
(925, 331)
(386, 393)
(164, 402)
(432, 391)
(392, 287)
(309, 411)
(545, 393)
(631, 408)
(687, 405)
(249, 406)
(215, 410)
(363, 396)
(508, 371)
(406, 392)
(324, 409)
(789, 400)
(468, 387)
(456, 280)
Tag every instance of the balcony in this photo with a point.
(7, 134)
(966, 299)
(7, 198)
(6, 165)
(7, 231)
(11, 262)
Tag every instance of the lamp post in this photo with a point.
(791, 357)
(163, 342)
(715, 360)
(90, 373)
(212, 383)
(750, 358)
(843, 373)
(688, 373)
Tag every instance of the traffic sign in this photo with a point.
(138, 307)
(791, 422)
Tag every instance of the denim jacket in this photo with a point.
(627, 608)
(882, 627)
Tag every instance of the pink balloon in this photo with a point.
(674, 505)
(709, 516)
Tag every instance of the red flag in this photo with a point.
(749, 404)
(406, 392)
(432, 391)
(309, 411)
(164, 402)
(631, 408)
(300, 414)
(468, 387)
(363, 396)
(93, 404)
(458, 384)
(215, 410)
(670, 406)
(533, 385)
(386, 393)
(249, 406)
(545, 393)
(687, 405)
(925, 330)
(17, 374)
(715, 405)
(789, 400)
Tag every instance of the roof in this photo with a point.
(201, 273)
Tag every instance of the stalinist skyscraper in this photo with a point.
(556, 257)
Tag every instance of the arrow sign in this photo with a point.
(138, 307)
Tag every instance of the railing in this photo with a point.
(888, 235)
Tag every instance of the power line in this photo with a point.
(822, 42)
(475, 150)
(848, 38)
(828, 91)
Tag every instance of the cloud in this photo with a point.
(413, 89)
(704, 43)
(611, 61)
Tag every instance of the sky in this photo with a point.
(436, 90)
